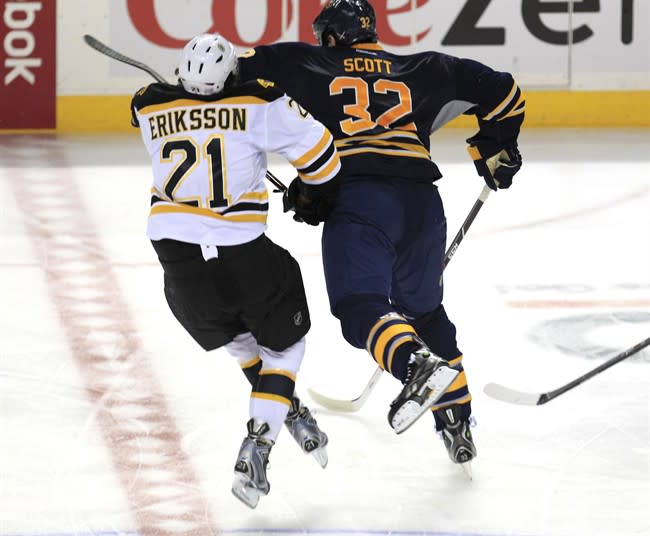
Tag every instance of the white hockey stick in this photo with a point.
(350, 406)
(512, 396)
(114, 54)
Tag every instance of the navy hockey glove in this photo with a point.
(308, 208)
(496, 164)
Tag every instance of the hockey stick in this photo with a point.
(350, 406)
(276, 182)
(512, 396)
(108, 51)
(114, 54)
(478, 204)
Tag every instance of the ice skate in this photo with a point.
(427, 380)
(304, 429)
(457, 438)
(250, 470)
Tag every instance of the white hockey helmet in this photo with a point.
(206, 63)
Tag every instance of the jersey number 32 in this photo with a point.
(360, 119)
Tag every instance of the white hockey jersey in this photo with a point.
(208, 157)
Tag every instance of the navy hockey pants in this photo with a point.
(383, 247)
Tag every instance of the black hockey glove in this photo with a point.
(497, 164)
(311, 204)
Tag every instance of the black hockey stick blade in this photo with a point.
(512, 396)
(108, 51)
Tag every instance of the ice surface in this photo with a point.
(115, 422)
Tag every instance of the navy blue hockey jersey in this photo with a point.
(382, 107)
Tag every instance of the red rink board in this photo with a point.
(28, 64)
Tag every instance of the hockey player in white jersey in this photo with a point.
(225, 281)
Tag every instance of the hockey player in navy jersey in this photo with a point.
(384, 243)
(225, 282)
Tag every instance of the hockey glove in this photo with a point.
(309, 207)
(496, 164)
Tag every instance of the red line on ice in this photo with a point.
(163, 492)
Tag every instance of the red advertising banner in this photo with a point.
(143, 16)
(28, 64)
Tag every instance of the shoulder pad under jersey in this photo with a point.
(155, 94)
(262, 89)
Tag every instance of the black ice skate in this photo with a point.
(304, 429)
(427, 380)
(457, 437)
(250, 470)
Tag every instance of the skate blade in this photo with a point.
(320, 455)
(436, 385)
(467, 469)
(247, 494)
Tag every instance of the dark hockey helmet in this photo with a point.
(348, 21)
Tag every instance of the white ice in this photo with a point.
(552, 279)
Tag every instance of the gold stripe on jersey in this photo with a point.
(256, 196)
(513, 113)
(241, 205)
(518, 108)
(408, 147)
(196, 211)
(324, 142)
(382, 135)
(389, 152)
(325, 172)
(499, 107)
(368, 46)
(189, 103)
(251, 196)
(393, 143)
(512, 105)
(320, 163)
